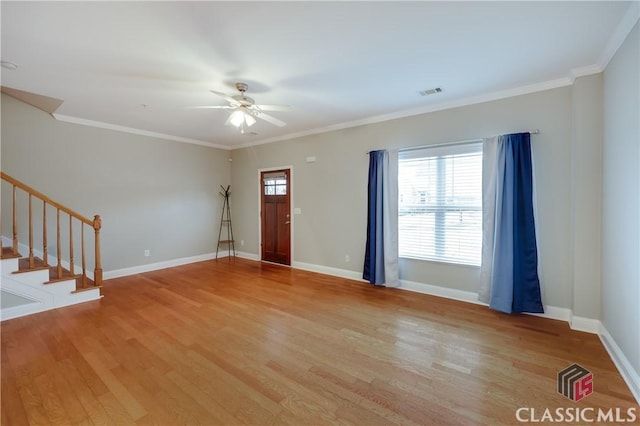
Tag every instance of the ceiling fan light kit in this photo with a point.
(240, 118)
(245, 110)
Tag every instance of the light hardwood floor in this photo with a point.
(240, 342)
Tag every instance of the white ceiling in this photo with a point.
(335, 63)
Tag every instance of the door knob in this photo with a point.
(287, 222)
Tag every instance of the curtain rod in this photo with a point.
(531, 132)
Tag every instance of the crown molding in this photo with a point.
(124, 129)
(493, 96)
(584, 71)
(620, 34)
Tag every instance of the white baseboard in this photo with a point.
(336, 272)
(434, 290)
(588, 325)
(628, 373)
(249, 256)
(551, 312)
(116, 273)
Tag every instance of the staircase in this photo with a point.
(32, 280)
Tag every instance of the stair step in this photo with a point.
(7, 253)
(39, 265)
(66, 274)
(63, 278)
(23, 265)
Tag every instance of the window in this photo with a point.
(275, 183)
(440, 203)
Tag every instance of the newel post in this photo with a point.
(97, 273)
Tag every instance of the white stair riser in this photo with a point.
(60, 287)
(83, 296)
(32, 278)
(9, 265)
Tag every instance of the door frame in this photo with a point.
(291, 204)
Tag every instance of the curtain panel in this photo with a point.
(381, 250)
(509, 274)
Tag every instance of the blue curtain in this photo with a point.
(374, 252)
(513, 280)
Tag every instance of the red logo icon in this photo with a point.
(575, 382)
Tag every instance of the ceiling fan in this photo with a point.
(245, 110)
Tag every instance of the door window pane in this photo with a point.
(275, 184)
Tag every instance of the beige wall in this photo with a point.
(621, 199)
(332, 191)
(151, 193)
(586, 170)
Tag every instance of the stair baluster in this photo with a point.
(83, 284)
(32, 261)
(15, 223)
(59, 248)
(71, 245)
(45, 254)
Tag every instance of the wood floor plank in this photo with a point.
(234, 342)
(116, 412)
(14, 413)
(81, 393)
(116, 388)
(51, 402)
(31, 399)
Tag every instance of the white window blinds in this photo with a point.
(440, 203)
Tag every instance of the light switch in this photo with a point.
(297, 210)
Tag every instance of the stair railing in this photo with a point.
(96, 224)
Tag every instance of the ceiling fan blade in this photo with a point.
(225, 97)
(211, 107)
(273, 107)
(269, 119)
(228, 122)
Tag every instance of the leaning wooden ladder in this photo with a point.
(225, 220)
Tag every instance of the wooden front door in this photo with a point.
(275, 216)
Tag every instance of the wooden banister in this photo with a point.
(44, 198)
(95, 223)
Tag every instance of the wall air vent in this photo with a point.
(430, 91)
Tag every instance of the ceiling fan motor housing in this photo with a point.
(243, 100)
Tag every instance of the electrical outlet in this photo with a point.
(147, 253)
(241, 242)
(347, 258)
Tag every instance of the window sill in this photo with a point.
(441, 262)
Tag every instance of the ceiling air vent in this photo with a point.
(430, 91)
